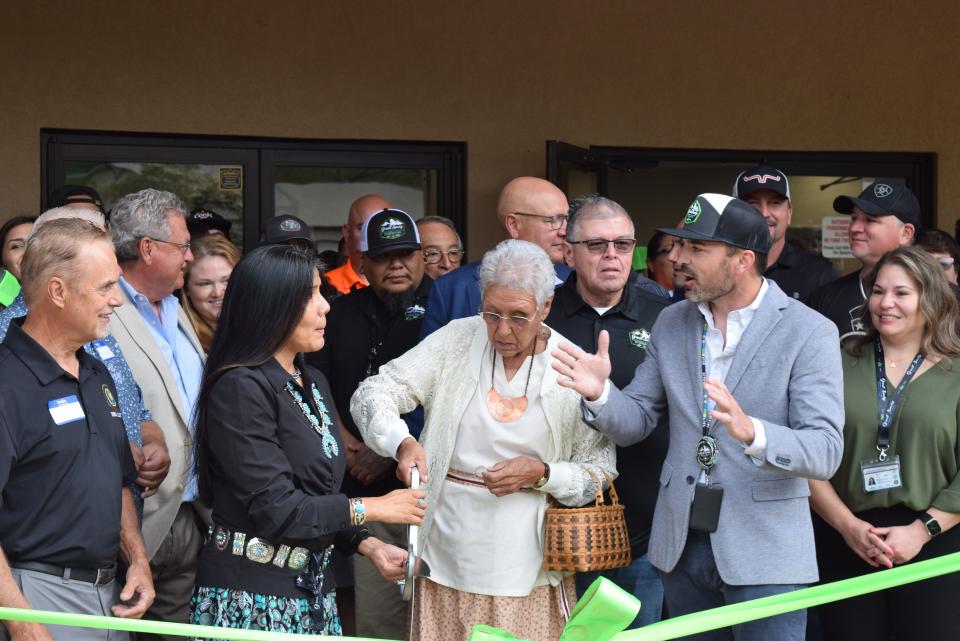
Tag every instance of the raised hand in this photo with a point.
(581, 371)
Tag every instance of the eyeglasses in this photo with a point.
(515, 322)
(434, 256)
(183, 247)
(553, 222)
(599, 245)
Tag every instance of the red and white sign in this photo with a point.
(835, 237)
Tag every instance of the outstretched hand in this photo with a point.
(581, 371)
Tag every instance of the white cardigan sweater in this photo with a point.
(441, 373)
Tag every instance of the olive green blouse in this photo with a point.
(924, 434)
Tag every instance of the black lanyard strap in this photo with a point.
(887, 409)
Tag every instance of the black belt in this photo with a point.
(99, 577)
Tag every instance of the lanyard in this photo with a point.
(707, 450)
(887, 409)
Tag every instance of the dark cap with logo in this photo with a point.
(283, 229)
(388, 230)
(759, 178)
(719, 218)
(201, 221)
(70, 194)
(883, 198)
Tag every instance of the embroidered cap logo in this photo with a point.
(761, 178)
(392, 229)
(693, 213)
(882, 190)
(290, 225)
(108, 395)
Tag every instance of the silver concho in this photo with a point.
(298, 558)
(707, 452)
(221, 537)
(259, 550)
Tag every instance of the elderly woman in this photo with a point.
(501, 436)
(896, 497)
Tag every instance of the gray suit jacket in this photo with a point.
(786, 372)
(161, 396)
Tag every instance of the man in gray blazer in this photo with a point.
(750, 378)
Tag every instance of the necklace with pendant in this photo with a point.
(502, 408)
(321, 426)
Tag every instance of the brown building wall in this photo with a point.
(503, 76)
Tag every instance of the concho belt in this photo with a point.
(258, 550)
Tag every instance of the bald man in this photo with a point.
(530, 209)
(347, 277)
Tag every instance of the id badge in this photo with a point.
(881, 475)
(705, 509)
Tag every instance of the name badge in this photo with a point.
(881, 475)
(65, 410)
(103, 350)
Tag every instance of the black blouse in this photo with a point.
(270, 478)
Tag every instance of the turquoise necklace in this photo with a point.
(323, 425)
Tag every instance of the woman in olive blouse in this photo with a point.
(896, 496)
(270, 460)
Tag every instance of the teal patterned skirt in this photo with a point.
(226, 608)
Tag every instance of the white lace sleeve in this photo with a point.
(572, 482)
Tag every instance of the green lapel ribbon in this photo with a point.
(604, 610)
(9, 288)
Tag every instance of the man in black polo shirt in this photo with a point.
(601, 294)
(797, 272)
(365, 329)
(65, 510)
(884, 217)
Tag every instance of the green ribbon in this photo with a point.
(9, 288)
(601, 613)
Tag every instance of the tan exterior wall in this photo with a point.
(503, 76)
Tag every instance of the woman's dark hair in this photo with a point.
(940, 242)
(938, 304)
(265, 299)
(5, 229)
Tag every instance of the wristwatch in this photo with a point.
(543, 479)
(932, 524)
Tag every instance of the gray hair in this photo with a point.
(53, 250)
(443, 221)
(61, 213)
(594, 207)
(140, 215)
(517, 264)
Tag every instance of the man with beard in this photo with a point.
(748, 377)
(365, 329)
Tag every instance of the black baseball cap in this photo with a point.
(719, 218)
(201, 221)
(283, 229)
(388, 230)
(70, 194)
(883, 198)
(761, 177)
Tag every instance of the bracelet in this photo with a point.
(358, 513)
(543, 479)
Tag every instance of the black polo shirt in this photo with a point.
(64, 458)
(842, 302)
(798, 272)
(362, 335)
(629, 324)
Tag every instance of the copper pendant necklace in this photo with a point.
(502, 408)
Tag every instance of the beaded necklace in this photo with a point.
(323, 425)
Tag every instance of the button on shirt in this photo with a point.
(64, 458)
(181, 356)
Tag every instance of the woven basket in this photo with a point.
(582, 539)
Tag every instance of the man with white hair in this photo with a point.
(66, 514)
(153, 245)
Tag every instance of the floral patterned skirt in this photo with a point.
(226, 608)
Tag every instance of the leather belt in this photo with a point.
(258, 550)
(98, 577)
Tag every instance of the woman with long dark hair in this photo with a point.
(896, 497)
(270, 460)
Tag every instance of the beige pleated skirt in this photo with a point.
(445, 614)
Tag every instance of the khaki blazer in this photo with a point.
(161, 396)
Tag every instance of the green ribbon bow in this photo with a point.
(604, 610)
(9, 288)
